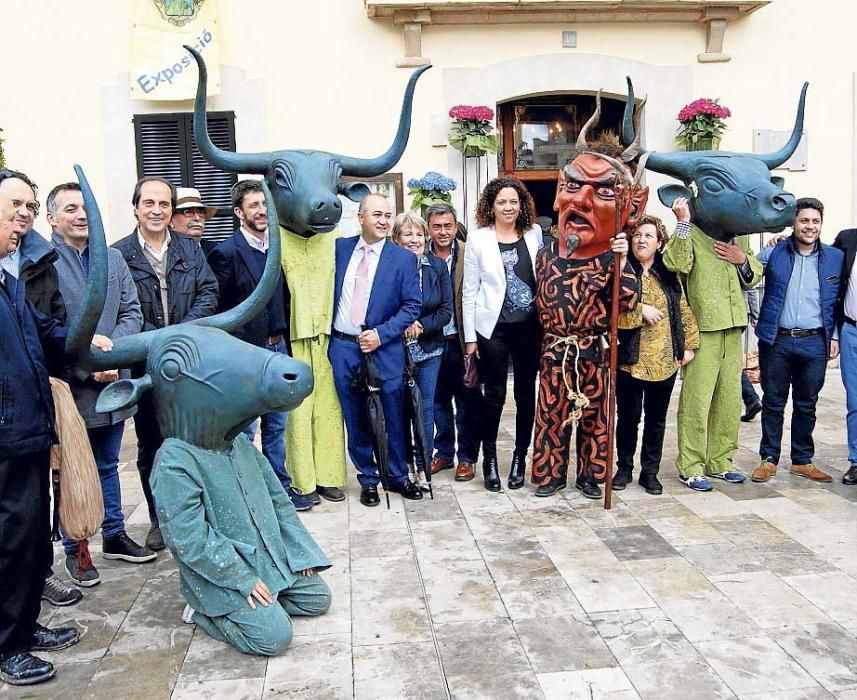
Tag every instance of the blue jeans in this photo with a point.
(848, 368)
(105, 442)
(798, 364)
(748, 393)
(425, 374)
(463, 421)
(273, 434)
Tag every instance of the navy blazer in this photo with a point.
(436, 309)
(237, 276)
(29, 343)
(394, 301)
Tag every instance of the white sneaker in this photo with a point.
(187, 615)
(422, 482)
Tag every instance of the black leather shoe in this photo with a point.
(330, 493)
(550, 488)
(490, 474)
(650, 483)
(621, 479)
(849, 478)
(45, 639)
(408, 489)
(314, 497)
(369, 496)
(25, 669)
(154, 538)
(588, 488)
(751, 413)
(516, 471)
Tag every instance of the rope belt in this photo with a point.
(577, 399)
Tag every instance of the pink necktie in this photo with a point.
(360, 298)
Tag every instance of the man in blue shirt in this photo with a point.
(797, 335)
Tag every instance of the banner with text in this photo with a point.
(161, 69)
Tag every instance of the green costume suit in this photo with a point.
(228, 522)
(315, 437)
(710, 403)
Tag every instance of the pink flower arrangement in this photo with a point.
(480, 113)
(703, 106)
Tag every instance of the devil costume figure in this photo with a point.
(597, 197)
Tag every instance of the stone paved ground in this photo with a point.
(748, 591)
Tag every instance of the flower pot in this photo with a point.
(704, 144)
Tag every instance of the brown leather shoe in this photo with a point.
(438, 465)
(763, 472)
(808, 471)
(464, 471)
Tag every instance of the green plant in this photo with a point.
(431, 188)
(702, 122)
(471, 130)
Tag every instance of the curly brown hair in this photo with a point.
(661, 229)
(485, 207)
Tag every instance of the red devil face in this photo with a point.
(587, 198)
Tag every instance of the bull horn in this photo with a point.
(633, 149)
(126, 351)
(629, 128)
(225, 160)
(361, 167)
(776, 159)
(252, 306)
(678, 164)
(581, 144)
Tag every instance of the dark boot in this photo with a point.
(588, 487)
(621, 479)
(649, 481)
(491, 474)
(550, 488)
(516, 471)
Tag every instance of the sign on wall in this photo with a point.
(161, 69)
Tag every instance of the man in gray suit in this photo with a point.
(121, 316)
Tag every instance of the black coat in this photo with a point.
(238, 275)
(37, 272)
(846, 241)
(436, 310)
(26, 406)
(192, 287)
(629, 339)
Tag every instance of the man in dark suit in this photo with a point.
(846, 316)
(238, 263)
(376, 297)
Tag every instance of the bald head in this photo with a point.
(375, 218)
(8, 242)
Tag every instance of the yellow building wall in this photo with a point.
(329, 81)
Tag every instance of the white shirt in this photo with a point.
(851, 295)
(260, 244)
(154, 252)
(342, 322)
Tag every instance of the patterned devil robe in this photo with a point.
(573, 300)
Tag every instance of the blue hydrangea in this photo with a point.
(432, 181)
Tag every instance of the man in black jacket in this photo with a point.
(238, 263)
(28, 340)
(846, 316)
(174, 284)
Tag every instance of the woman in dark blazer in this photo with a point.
(424, 338)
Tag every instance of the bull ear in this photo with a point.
(669, 193)
(355, 191)
(778, 181)
(122, 393)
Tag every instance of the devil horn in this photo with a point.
(225, 160)
(581, 144)
(776, 159)
(633, 149)
(360, 167)
(629, 131)
(252, 306)
(126, 351)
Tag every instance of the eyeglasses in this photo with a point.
(192, 211)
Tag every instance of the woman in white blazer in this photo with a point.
(499, 315)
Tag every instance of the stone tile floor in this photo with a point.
(747, 591)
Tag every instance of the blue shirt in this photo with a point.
(802, 305)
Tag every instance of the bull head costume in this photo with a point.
(207, 385)
(729, 193)
(305, 184)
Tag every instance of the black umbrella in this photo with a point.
(372, 384)
(414, 411)
(55, 482)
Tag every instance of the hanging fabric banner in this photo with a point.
(161, 69)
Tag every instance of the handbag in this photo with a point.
(471, 371)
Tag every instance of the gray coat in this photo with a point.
(121, 317)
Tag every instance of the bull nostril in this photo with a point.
(290, 376)
(337, 204)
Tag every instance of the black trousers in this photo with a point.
(25, 547)
(633, 398)
(149, 441)
(463, 422)
(522, 343)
